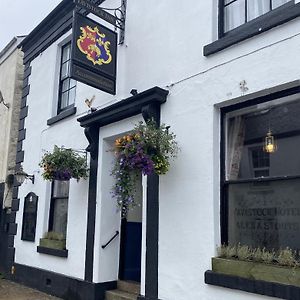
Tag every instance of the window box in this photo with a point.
(257, 271)
(53, 244)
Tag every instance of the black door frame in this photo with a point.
(148, 104)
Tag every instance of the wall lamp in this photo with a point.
(19, 176)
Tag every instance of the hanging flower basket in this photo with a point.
(146, 150)
(63, 164)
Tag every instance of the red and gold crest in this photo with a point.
(95, 45)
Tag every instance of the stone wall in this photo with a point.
(11, 81)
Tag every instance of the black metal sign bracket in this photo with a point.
(117, 19)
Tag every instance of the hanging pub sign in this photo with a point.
(94, 54)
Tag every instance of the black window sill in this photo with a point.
(271, 289)
(274, 18)
(54, 252)
(64, 114)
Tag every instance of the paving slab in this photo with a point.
(13, 291)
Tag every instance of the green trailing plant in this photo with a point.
(63, 164)
(147, 150)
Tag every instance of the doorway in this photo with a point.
(131, 239)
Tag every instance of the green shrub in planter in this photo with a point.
(281, 266)
(257, 271)
(53, 240)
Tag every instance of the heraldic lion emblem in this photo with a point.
(95, 45)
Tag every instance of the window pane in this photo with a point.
(66, 55)
(60, 215)
(277, 3)
(246, 135)
(65, 85)
(60, 188)
(256, 8)
(64, 100)
(65, 70)
(72, 94)
(265, 214)
(234, 15)
(72, 83)
(228, 1)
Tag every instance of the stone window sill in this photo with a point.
(64, 114)
(54, 252)
(274, 18)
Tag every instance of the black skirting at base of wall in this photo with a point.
(265, 288)
(140, 297)
(55, 284)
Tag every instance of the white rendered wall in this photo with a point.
(40, 138)
(163, 47)
(106, 263)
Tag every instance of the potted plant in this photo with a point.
(280, 266)
(53, 240)
(63, 164)
(146, 150)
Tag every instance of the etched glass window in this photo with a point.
(262, 183)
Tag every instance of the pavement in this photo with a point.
(13, 291)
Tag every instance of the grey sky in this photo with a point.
(19, 17)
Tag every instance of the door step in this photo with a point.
(129, 286)
(127, 290)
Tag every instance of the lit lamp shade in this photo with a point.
(270, 144)
(20, 176)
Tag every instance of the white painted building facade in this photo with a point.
(163, 47)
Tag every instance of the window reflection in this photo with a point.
(246, 133)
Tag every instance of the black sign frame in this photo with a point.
(98, 11)
(82, 69)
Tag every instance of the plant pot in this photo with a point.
(53, 244)
(257, 271)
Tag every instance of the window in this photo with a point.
(59, 207)
(67, 86)
(29, 217)
(261, 187)
(260, 162)
(242, 19)
(238, 12)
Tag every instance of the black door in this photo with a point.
(131, 239)
(130, 254)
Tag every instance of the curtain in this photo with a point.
(257, 8)
(234, 15)
(236, 137)
(277, 3)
